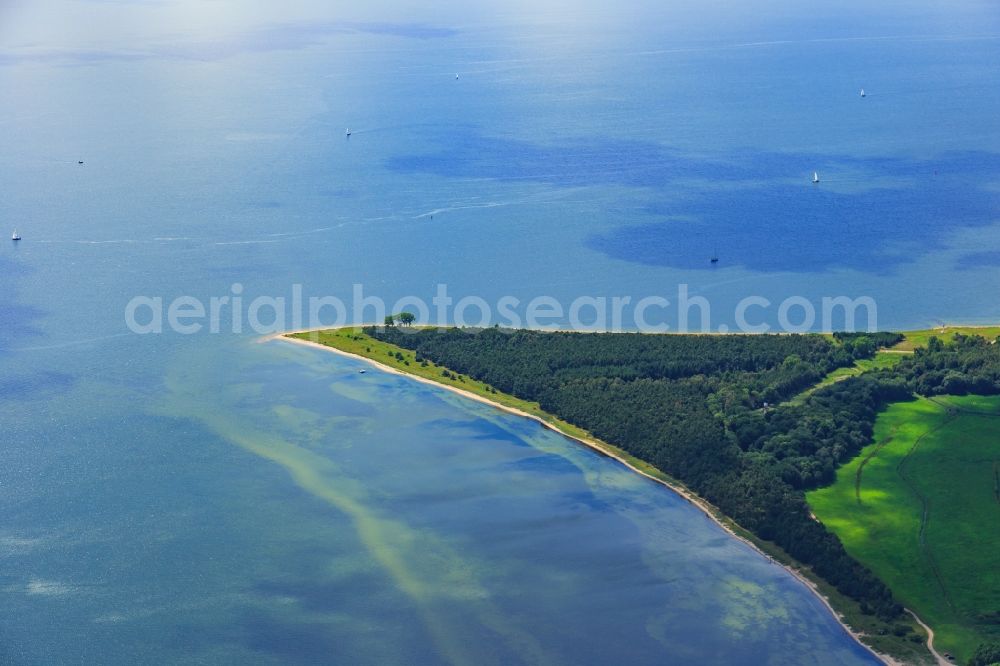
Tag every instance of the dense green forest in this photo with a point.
(708, 410)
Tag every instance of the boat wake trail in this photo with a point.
(72, 343)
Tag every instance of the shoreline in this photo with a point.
(595, 445)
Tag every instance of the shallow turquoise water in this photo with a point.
(308, 512)
(208, 499)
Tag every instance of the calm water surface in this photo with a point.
(209, 499)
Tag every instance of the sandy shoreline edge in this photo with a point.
(594, 445)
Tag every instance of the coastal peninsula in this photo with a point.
(842, 365)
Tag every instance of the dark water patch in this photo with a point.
(788, 228)
(338, 192)
(17, 321)
(813, 228)
(469, 153)
(39, 385)
(571, 163)
(478, 429)
(871, 214)
(543, 464)
(984, 259)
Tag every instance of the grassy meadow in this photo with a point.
(920, 507)
(914, 339)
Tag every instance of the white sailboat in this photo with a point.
(862, 92)
(456, 77)
(15, 236)
(348, 131)
(815, 177)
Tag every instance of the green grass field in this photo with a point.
(921, 507)
(914, 339)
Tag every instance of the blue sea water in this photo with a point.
(213, 499)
